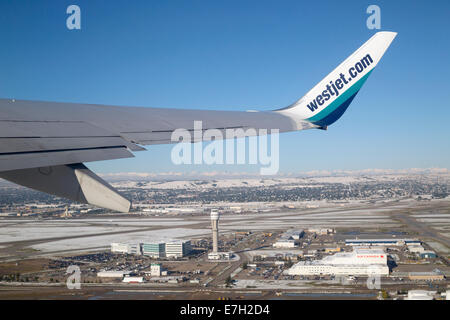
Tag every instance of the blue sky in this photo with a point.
(240, 55)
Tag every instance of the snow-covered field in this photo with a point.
(38, 229)
(435, 220)
(27, 232)
(82, 234)
(105, 241)
(439, 247)
(278, 284)
(85, 229)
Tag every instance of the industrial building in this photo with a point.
(129, 279)
(289, 239)
(285, 243)
(426, 276)
(357, 262)
(420, 295)
(382, 242)
(423, 254)
(178, 249)
(155, 270)
(112, 274)
(428, 255)
(293, 234)
(416, 249)
(321, 231)
(220, 255)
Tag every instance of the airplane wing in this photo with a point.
(43, 144)
(35, 134)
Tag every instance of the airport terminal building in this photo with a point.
(357, 262)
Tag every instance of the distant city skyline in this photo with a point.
(237, 55)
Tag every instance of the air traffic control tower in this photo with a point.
(215, 254)
(215, 230)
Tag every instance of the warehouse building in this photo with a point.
(285, 243)
(426, 276)
(416, 249)
(129, 279)
(220, 255)
(293, 234)
(420, 295)
(381, 242)
(358, 262)
(112, 274)
(428, 255)
(322, 231)
(289, 239)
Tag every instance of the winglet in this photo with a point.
(327, 101)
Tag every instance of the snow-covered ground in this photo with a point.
(90, 232)
(439, 247)
(105, 241)
(278, 284)
(36, 229)
(26, 232)
(204, 181)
